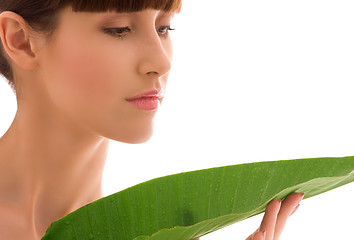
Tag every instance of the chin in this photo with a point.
(137, 139)
(134, 139)
(132, 136)
(134, 131)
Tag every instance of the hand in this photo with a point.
(275, 217)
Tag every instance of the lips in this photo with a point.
(147, 100)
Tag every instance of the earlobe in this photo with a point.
(16, 40)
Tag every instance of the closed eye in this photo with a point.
(117, 32)
(163, 31)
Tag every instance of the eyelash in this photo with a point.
(122, 32)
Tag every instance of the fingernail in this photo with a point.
(279, 201)
(302, 197)
(264, 234)
(295, 209)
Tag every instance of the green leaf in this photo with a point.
(192, 204)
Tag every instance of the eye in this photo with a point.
(117, 32)
(163, 30)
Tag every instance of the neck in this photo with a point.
(49, 168)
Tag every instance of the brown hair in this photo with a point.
(43, 16)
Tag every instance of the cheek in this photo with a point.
(169, 52)
(84, 74)
(168, 47)
(89, 84)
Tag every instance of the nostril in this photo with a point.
(152, 73)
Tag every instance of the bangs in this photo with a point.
(124, 5)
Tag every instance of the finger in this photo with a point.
(295, 209)
(250, 237)
(260, 236)
(270, 218)
(288, 206)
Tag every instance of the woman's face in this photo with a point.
(97, 65)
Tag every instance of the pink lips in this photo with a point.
(147, 100)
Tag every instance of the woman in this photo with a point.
(83, 72)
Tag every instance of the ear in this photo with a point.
(16, 40)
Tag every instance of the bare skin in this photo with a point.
(71, 99)
(275, 217)
(71, 95)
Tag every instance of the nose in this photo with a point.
(155, 56)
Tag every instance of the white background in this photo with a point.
(251, 81)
